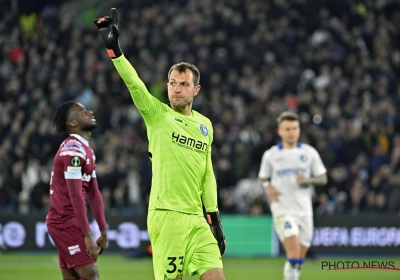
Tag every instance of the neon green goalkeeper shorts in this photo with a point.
(181, 243)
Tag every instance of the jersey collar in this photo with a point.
(280, 145)
(80, 138)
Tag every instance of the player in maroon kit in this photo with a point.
(73, 178)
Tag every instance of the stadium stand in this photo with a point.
(336, 63)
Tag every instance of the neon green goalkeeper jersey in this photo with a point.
(180, 150)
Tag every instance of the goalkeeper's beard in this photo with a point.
(181, 105)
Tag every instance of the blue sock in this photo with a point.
(296, 262)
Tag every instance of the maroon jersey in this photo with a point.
(72, 178)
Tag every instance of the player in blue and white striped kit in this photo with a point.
(288, 171)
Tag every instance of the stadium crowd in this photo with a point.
(336, 63)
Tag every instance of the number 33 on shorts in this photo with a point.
(175, 264)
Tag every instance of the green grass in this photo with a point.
(24, 266)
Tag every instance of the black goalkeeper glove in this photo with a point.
(108, 27)
(216, 228)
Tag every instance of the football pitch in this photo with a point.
(44, 266)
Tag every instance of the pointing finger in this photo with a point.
(114, 16)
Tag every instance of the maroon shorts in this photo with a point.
(71, 247)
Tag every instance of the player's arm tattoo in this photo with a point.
(319, 180)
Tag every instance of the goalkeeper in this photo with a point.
(183, 179)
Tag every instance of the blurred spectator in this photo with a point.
(357, 198)
(30, 177)
(4, 196)
(393, 193)
(13, 185)
(134, 194)
(39, 196)
(325, 206)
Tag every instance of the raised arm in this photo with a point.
(108, 29)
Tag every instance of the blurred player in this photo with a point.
(287, 172)
(180, 150)
(73, 178)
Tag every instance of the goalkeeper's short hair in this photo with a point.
(181, 68)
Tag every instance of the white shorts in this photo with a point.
(302, 227)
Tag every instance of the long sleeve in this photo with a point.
(139, 93)
(96, 204)
(74, 187)
(209, 194)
